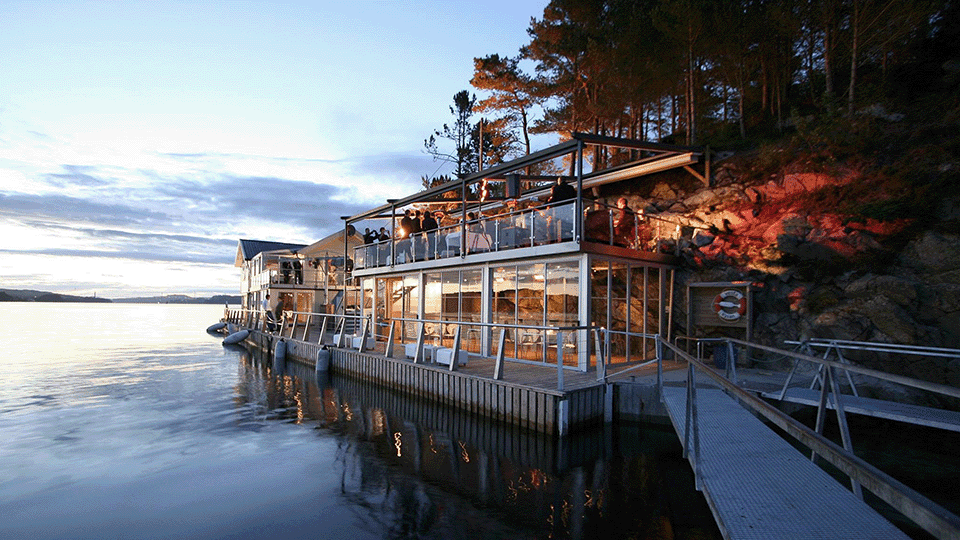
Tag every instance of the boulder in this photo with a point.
(790, 224)
(702, 238)
(899, 290)
(933, 253)
(663, 191)
(890, 319)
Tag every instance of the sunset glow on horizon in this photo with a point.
(139, 141)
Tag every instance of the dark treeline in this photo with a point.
(703, 71)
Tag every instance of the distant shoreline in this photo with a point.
(17, 295)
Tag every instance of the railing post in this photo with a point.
(658, 345)
(364, 328)
(389, 349)
(696, 431)
(610, 226)
(601, 357)
(323, 329)
(560, 360)
(533, 222)
(688, 414)
(342, 329)
(456, 349)
(498, 367)
(731, 363)
(418, 356)
(306, 327)
(844, 427)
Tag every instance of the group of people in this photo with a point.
(415, 221)
(370, 237)
(416, 231)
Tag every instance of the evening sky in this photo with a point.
(140, 140)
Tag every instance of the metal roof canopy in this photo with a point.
(666, 156)
(248, 249)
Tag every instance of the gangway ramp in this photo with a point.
(878, 408)
(759, 486)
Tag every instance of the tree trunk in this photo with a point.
(853, 57)
(743, 129)
(691, 102)
(828, 45)
(526, 131)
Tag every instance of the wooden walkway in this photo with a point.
(759, 486)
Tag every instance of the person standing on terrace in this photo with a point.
(558, 228)
(561, 191)
(623, 224)
(429, 226)
(406, 225)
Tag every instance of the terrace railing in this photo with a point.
(535, 226)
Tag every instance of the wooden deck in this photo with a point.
(527, 395)
(759, 486)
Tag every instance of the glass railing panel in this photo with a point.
(359, 257)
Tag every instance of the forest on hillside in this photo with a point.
(725, 73)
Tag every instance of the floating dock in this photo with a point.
(759, 486)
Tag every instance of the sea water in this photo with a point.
(130, 421)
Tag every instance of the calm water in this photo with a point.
(129, 421)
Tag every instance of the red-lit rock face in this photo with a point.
(826, 273)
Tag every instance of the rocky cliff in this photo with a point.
(825, 266)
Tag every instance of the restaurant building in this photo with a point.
(528, 258)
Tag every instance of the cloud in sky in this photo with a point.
(139, 142)
(190, 214)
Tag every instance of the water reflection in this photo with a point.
(413, 468)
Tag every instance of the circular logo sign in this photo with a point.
(730, 305)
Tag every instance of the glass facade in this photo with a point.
(625, 300)
(620, 297)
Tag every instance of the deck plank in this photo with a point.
(760, 487)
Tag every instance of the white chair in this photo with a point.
(444, 355)
(356, 340)
(410, 350)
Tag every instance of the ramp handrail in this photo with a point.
(873, 346)
(924, 512)
(891, 377)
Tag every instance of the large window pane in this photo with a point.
(471, 308)
(562, 296)
(530, 310)
(653, 301)
(432, 301)
(411, 304)
(505, 306)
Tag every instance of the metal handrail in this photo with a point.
(891, 377)
(605, 376)
(924, 512)
(870, 346)
(501, 357)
